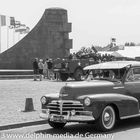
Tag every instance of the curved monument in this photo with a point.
(49, 38)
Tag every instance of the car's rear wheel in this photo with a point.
(64, 76)
(56, 125)
(107, 119)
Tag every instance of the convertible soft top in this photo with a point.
(112, 65)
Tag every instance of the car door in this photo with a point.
(132, 82)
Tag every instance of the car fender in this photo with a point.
(124, 105)
(52, 96)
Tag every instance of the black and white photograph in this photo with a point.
(70, 69)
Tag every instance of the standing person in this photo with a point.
(50, 72)
(35, 68)
(45, 69)
(40, 65)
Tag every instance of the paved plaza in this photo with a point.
(13, 95)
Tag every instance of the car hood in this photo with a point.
(76, 89)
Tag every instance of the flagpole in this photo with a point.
(13, 36)
(7, 37)
(8, 26)
(18, 36)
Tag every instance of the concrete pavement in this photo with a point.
(13, 95)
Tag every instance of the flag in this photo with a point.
(12, 21)
(2, 20)
(22, 29)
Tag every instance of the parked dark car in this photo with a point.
(111, 95)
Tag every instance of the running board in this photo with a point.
(130, 116)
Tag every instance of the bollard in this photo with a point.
(29, 105)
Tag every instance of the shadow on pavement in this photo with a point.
(24, 124)
(84, 128)
(127, 124)
(72, 129)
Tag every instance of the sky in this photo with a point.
(93, 21)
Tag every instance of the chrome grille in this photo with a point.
(62, 107)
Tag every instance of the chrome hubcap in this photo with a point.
(108, 117)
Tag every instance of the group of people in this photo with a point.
(43, 68)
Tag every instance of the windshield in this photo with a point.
(106, 74)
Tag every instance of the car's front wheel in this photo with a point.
(56, 125)
(107, 119)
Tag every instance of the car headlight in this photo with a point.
(44, 100)
(87, 101)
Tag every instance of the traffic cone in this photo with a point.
(29, 105)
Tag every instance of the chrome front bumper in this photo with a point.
(83, 116)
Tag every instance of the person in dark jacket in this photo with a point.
(35, 68)
(50, 71)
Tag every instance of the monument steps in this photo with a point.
(16, 74)
(7, 77)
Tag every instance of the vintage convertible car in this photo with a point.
(111, 95)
